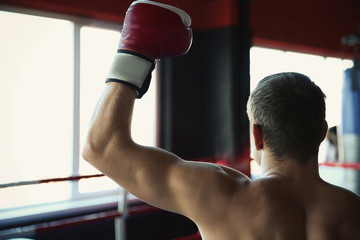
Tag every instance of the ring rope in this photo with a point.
(49, 180)
(355, 166)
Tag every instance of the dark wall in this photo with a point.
(204, 94)
(159, 225)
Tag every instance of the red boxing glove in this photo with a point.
(156, 30)
(151, 31)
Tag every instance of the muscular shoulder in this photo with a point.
(348, 203)
(341, 199)
(342, 210)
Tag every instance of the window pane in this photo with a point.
(36, 105)
(97, 51)
(98, 48)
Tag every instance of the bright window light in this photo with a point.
(35, 98)
(98, 47)
(52, 73)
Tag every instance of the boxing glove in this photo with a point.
(151, 31)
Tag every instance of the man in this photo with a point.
(287, 122)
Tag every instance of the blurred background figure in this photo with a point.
(332, 153)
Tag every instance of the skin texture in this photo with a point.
(290, 201)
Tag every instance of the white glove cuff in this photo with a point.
(129, 68)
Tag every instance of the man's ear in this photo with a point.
(259, 143)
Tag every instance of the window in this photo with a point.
(52, 72)
(36, 102)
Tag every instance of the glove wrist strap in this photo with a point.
(133, 70)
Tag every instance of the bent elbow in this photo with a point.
(92, 152)
(99, 147)
(89, 154)
(95, 145)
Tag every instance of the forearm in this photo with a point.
(111, 121)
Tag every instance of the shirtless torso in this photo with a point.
(278, 208)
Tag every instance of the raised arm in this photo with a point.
(154, 175)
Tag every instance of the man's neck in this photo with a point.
(289, 168)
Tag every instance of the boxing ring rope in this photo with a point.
(354, 166)
(49, 180)
(79, 177)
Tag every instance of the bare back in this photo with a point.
(277, 208)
